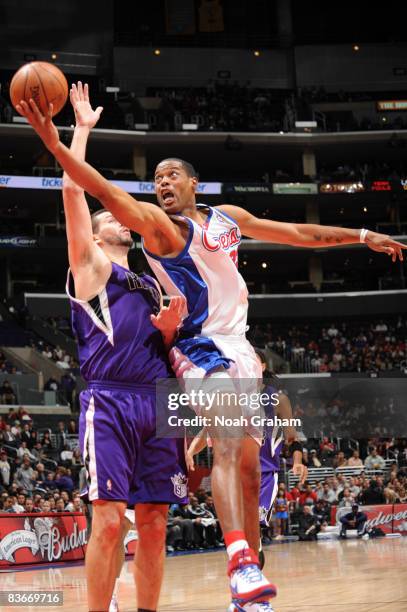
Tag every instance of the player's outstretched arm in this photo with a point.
(311, 235)
(160, 234)
(284, 411)
(82, 249)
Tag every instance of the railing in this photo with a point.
(320, 474)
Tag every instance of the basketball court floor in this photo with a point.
(328, 576)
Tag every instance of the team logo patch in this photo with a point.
(180, 482)
(109, 484)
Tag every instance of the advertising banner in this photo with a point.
(55, 183)
(42, 538)
(390, 518)
(295, 188)
(349, 187)
(18, 241)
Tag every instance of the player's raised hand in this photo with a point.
(385, 244)
(42, 124)
(170, 317)
(85, 116)
(189, 460)
(300, 470)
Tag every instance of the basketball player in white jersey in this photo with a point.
(193, 251)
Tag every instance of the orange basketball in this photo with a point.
(41, 81)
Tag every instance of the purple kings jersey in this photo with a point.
(116, 339)
(273, 439)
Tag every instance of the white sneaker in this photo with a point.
(263, 606)
(114, 605)
(248, 584)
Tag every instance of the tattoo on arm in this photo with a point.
(327, 239)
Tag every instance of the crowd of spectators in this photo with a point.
(194, 525)
(222, 107)
(7, 367)
(42, 471)
(39, 471)
(62, 359)
(353, 346)
(309, 506)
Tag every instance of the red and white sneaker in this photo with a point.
(262, 606)
(247, 583)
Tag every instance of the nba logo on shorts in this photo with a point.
(180, 484)
(109, 484)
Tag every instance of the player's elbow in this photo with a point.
(69, 187)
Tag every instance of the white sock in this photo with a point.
(235, 546)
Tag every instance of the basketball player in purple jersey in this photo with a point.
(193, 252)
(272, 445)
(115, 316)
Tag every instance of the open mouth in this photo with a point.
(167, 197)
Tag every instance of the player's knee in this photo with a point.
(107, 526)
(152, 527)
(227, 451)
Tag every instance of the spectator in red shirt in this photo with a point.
(307, 496)
(295, 493)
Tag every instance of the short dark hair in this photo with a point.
(95, 219)
(189, 169)
(260, 353)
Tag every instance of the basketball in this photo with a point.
(41, 81)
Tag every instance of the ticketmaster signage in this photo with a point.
(43, 182)
(295, 188)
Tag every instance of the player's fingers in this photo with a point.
(36, 111)
(23, 108)
(50, 111)
(98, 111)
(153, 320)
(174, 302)
(394, 243)
(172, 306)
(74, 91)
(80, 90)
(182, 303)
(86, 92)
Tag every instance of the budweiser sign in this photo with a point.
(386, 519)
(42, 538)
(52, 544)
(390, 518)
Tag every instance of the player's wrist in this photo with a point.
(363, 232)
(80, 127)
(53, 146)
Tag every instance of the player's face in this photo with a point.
(173, 187)
(111, 232)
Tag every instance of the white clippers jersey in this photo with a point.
(206, 273)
